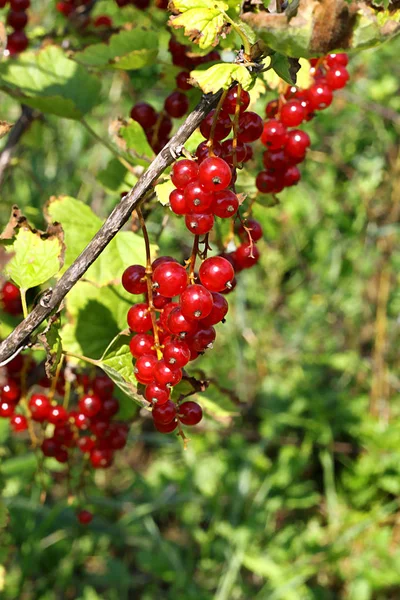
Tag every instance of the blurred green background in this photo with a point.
(298, 496)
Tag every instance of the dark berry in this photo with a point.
(134, 279)
(190, 413)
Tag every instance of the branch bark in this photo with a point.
(23, 123)
(52, 298)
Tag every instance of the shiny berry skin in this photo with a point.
(164, 374)
(176, 354)
(225, 204)
(11, 298)
(267, 183)
(40, 406)
(247, 255)
(6, 409)
(17, 42)
(337, 60)
(85, 444)
(292, 113)
(291, 176)
(297, 143)
(15, 365)
(64, 435)
(250, 127)
(50, 447)
(10, 392)
(203, 151)
(182, 81)
(156, 393)
(196, 302)
(274, 134)
(170, 279)
(177, 202)
(99, 427)
(142, 343)
(61, 455)
(228, 152)
(203, 339)
(103, 387)
(89, 405)
(199, 224)
(18, 423)
(231, 100)
(255, 232)
(17, 19)
(176, 105)
(162, 259)
(180, 325)
(164, 413)
(144, 368)
(139, 318)
(320, 96)
(168, 308)
(101, 458)
(216, 273)
(222, 129)
(160, 301)
(183, 172)
(275, 162)
(80, 420)
(197, 199)
(65, 8)
(20, 4)
(337, 78)
(166, 428)
(144, 114)
(190, 413)
(271, 110)
(214, 174)
(57, 415)
(109, 408)
(84, 517)
(218, 311)
(134, 279)
(102, 21)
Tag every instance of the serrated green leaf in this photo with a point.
(136, 142)
(202, 20)
(80, 224)
(35, 260)
(115, 177)
(126, 50)
(222, 76)
(163, 191)
(51, 82)
(281, 66)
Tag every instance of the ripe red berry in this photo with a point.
(84, 517)
(222, 129)
(57, 415)
(139, 318)
(199, 224)
(232, 99)
(229, 151)
(168, 308)
(170, 279)
(203, 339)
(225, 204)
(214, 174)
(17, 19)
(101, 458)
(275, 162)
(216, 274)
(160, 301)
(134, 279)
(109, 408)
(250, 127)
(18, 423)
(103, 386)
(274, 134)
(20, 4)
(337, 78)
(247, 255)
(177, 202)
(64, 435)
(39, 405)
(102, 21)
(320, 96)
(182, 80)
(176, 105)
(6, 409)
(268, 183)
(197, 199)
(292, 113)
(196, 302)
(144, 114)
(203, 151)
(15, 365)
(337, 60)
(218, 311)
(85, 443)
(50, 447)
(166, 428)
(190, 413)
(156, 393)
(291, 176)
(99, 427)
(11, 298)
(297, 143)
(61, 455)
(89, 405)
(144, 368)
(180, 325)
(271, 110)
(10, 392)
(255, 232)
(162, 259)
(164, 413)
(65, 8)
(17, 42)
(80, 420)
(142, 343)
(176, 354)
(183, 172)
(164, 374)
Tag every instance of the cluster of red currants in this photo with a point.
(70, 7)
(17, 20)
(10, 299)
(287, 145)
(143, 4)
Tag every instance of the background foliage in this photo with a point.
(297, 496)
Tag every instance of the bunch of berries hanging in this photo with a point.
(17, 20)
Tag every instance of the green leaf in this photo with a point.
(80, 224)
(117, 363)
(202, 20)
(51, 82)
(136, 142)
(163, 191)
(281, 66)
(126, 50)
(222, 76)
(115, 177)
(51, 341)
(35, 260)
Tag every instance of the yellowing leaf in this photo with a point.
(163, 191)
(222, 76)
(202, 20)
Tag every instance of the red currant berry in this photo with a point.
(6, 409)
(85, 444)
(214, 174)
(144, 114)
(80, 420)
(17, 42)
(20, 4)
(170, 279)
(142, 343)
(102, 21)
(337, 60)
(103, 387)
(65, 8)
(291, 177)
(162, 259)
(11, 298)
(168, 308)
(15, 365)
(177, 202)
(61, 455)
(274, 134)
(218, 311)
(64, 435)
(134, 279)
(109, 408)
(250, 127)
(89, 405)
(320, 96)
(139, 318)
(99, 427)
(203, 339)
(101, 458)
(275, 162)
(178, 324)
(190, 413)
(203, 151)
(268, 183)
(10, 392)
(164, 374)
(297, 143)
(222, 129)
(166, 428)
(17, 20)
(164, 413)
(228, 152)
(57, 415)
(255, 232)
(183, 172)
(176, 354)
(225, 204)
(337, 78)
(196, 302)
(84, 517)
(232, 99)
(18, 423)
(216, 273)
(176, 105)
(144, 368)
(157, 394)
(272, 108)
(199, 224)
(182, 81)
(292, 113)
(50, 447)
(40, 406)
(197, 199)
(247, 255)
(160, 301)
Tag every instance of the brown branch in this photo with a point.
(23, 123)
(51, 299)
